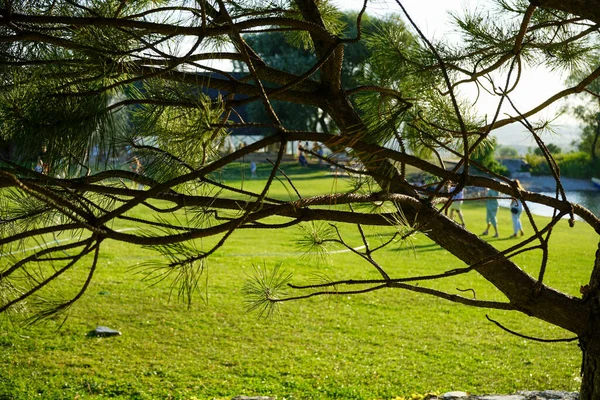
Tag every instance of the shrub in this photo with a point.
(571, 165)
(498, 168)
(507, 152)
(552, 148)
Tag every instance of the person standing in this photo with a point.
(320, 155)
(302, 160)
(41, 164)
(516, 209)
(456, 205)
(491, 211)
(138, 168)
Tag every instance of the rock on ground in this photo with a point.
(524, 395)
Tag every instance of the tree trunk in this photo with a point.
(590, 383)
(590, 342)
(596, 136)
(590, 347)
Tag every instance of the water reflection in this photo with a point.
(588, 199)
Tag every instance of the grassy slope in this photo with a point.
(373, 346)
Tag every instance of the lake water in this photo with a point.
(588, 199)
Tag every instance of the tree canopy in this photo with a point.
(589, 115)
(283, 51)
(91, 80)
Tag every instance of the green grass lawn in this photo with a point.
(373, 346)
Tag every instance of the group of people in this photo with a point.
(491, 209)
(491, 206)
(317, 150)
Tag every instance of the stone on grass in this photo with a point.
(502, 397)
(252, 398)
(103, 331)
(454, 395)
(550, 395)
(523, 395)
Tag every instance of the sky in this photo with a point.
(433, 20)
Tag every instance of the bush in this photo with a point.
(571, 165)
(498, 168)
(552, 148)
(507, 152)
